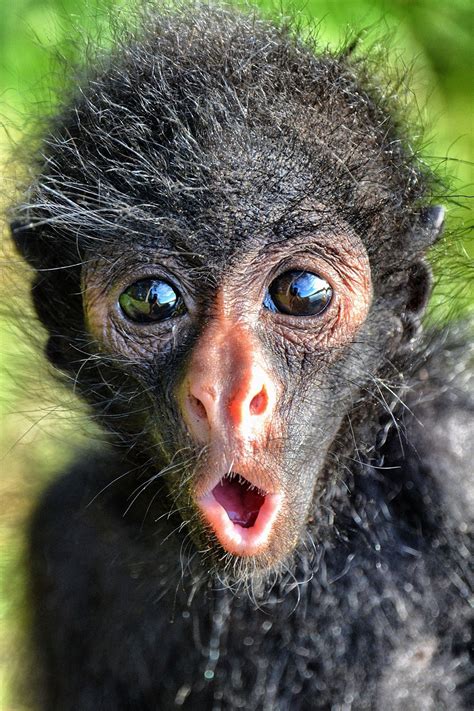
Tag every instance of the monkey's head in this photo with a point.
(228, 233)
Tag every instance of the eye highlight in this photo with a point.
(151, 300)
(298, 293)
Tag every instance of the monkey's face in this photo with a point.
(241, 360)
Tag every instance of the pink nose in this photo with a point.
(234, 404)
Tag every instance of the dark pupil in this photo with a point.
(151, 300)
(298, 293)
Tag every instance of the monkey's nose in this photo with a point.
(234, 406)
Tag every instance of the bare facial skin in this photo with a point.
(231, 395)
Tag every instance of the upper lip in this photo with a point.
(256, 476)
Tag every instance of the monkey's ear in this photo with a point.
(432, 223)
(420, 278)
(419, 286)
(420, 282)
(23, 236)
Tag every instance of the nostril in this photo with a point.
(259, 402)
(197, 407)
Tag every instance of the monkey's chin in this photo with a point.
(241, 515)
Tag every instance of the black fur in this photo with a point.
(205, 137)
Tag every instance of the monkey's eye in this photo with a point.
(151, 300)
(298, 293)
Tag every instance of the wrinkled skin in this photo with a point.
(238, 348)
(202, 159)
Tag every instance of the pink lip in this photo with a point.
(242, 523)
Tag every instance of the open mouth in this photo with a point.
(240, 513)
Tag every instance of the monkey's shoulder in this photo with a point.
(88, 525)
(433, 442)
(100, 597)
(74, 526)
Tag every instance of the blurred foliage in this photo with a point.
(432, 38)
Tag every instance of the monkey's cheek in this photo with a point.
(237, 539)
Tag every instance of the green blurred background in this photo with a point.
(432, 37)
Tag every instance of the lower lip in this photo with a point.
(234, 538)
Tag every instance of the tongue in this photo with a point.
(241, 502)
